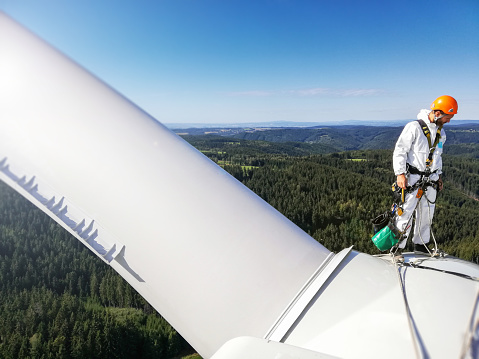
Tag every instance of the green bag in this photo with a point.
(387, 237)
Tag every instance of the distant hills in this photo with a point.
(294, 124)
(340, 138)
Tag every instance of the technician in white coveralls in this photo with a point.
(417, 164)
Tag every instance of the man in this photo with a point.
(417, 164)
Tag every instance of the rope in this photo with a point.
(412, 330)
(435, 251)
(419, 209)
(469, 336)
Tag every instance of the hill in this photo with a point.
(462, 139)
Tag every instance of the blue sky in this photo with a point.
(230, 61)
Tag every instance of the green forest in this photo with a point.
(58, 300)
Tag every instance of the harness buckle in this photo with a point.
(420, 191)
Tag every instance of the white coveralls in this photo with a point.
(412, 147)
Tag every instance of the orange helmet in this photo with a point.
(446, 104)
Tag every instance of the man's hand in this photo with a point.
(401, 181)
(440, 184)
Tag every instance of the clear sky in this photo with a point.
(230, 61)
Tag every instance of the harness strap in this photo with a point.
(427, 133)
(422, 184)
(415, 171)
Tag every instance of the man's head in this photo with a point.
(443, 109)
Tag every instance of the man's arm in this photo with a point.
(401, 150)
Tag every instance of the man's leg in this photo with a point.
(424, 216)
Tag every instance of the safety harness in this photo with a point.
(387, 235)
(424, 180)
(432, 147)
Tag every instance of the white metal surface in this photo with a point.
(304, 297)
(361, 312)
(255, 348)
(212, 257)
(445, 263)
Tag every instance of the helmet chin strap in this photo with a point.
(438, 118)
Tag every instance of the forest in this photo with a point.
(58, 300)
